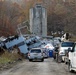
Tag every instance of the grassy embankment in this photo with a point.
(7, 57)
(8, 60)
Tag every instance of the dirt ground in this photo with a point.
(48, 67)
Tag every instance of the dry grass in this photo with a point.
(8, 57)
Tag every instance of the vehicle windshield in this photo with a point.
(36, 51)
(67, 44)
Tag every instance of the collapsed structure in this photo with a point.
(19, 41)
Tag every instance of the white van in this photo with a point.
(72, 59)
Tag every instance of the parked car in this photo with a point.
(63, 48)
(72, 59)
(35, 54)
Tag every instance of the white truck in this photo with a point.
(72, 59)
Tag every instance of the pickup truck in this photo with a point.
(72, 59)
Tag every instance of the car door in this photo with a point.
(74, 57)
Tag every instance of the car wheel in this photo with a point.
(54, 57)
(42, 60)
(66, 63)
(30, 59)
(70, 67)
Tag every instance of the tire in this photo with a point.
(62, 60)
(42, 60)
(30, 60)
(70, 67)
(54, 57)
(66, 63)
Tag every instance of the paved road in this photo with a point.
(48, 67)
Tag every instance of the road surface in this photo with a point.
(48, 67)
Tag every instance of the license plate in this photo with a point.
(35, 54)
(35, 58)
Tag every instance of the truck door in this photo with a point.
(74, 56)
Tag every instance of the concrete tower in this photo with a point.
(38, 20)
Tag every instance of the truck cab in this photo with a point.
(72, 59)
